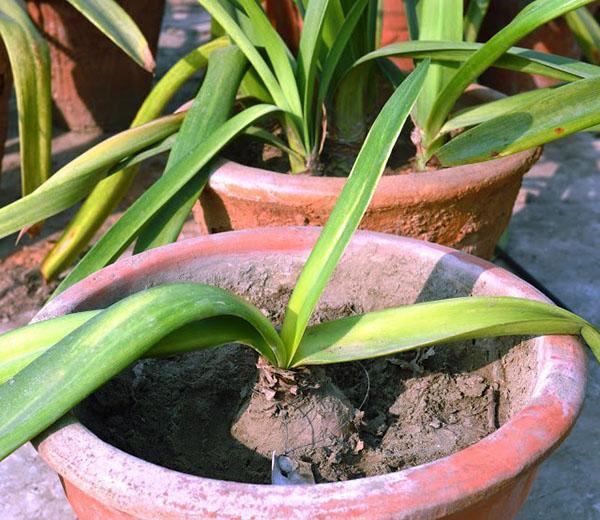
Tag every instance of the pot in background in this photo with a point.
(395, 29)
(466, 207)
(489, 479)
(95, 85)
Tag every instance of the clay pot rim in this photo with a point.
(443, 184)
(140, 488)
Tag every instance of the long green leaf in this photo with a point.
(237, 36)
(562, 111)
(105, 197)
(151, 151)
(412, 18)
(277, 51)
(533, 16)
(333, 18)
(127, 228)
(106, 344)
(472, 116)
(438, 20)
(114, 22)
(260, 134)
(308, 53)
(586, 30)
(515, 58)
(30, 63)
(211, 108)
(391, 331)
(75, 180)
(293, 119)
(474, 16)
(175, 78)
(349, 209)
(350, 95)
(20, 347)
(330, 71)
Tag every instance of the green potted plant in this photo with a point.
(5, 87)
(74, 353)
(462, 207)
(458, 195)
(29, 60)
(563, 36)
(577, 33)
(94, 85)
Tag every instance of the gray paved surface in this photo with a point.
(555, 235)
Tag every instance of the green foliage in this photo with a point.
(107, 194)
(128, 227)
(391, 331)
(93, 353)
(586, 30)
(73, 355)
(224, 75)
(349, 208)
(30, 63)
(439, 20)
(116, 24)
(554, 114)
(439, 98)
(75, 180)
(474, 17)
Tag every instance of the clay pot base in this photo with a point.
(178, 412)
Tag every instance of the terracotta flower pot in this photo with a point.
(466, 207)
(395, 29)
(95, 86)
(488, 479)
(554, 37)
(5, 86)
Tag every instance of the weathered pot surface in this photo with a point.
(95, 85)
(466, 207)
(488, 479)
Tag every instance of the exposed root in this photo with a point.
(295, 412)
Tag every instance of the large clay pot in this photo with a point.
(95, 86)
(5, 86)
(466, 207)
(487, 480)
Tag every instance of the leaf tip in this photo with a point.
(148, 61)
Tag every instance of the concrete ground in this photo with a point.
(554, 236)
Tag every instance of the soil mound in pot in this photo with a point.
(414, 408)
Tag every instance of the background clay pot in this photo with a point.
(5, 86)
(94, 84)
(395, 29)
(554, 37)
(489, 479)
(466, 207)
